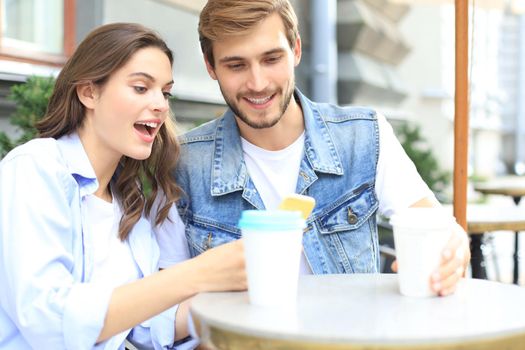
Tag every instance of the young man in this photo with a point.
(273, 141)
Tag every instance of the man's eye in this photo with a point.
(237, 66)
(273, 59)
(140, 89)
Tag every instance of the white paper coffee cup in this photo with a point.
(272, 247)
(420, 235)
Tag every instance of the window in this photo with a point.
(36, 30)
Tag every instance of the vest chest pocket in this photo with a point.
(203, 234)
(348, 212)
(347, 228)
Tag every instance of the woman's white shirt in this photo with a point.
(113, 261)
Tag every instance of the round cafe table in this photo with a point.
(486, 218)
(366, 312)
(512, 186)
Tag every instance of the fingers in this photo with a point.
(225, 267)
(394, 266)
(445, 279)
(238, 269)
(449, 285)
(454, 261)
(452, 246)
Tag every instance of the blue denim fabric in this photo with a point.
(338, 169)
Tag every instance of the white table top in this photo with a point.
(483, 218)
(363, 310)
(507, 185)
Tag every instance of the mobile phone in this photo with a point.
(302, 203)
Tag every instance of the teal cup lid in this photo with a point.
(271, 220)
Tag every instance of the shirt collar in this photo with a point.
(78, 163)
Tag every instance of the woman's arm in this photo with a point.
(45, 288)
(42, 266)
(217, 269)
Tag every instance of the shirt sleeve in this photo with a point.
(173, 249)
(156, 333)
(172, 240)
(398, 184)
(39, 293)
(163, 333)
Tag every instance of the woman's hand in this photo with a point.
(223, 268)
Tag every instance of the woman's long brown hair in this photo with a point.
(100, 54)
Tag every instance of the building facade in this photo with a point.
(395, 57)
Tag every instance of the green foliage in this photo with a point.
(479, 198)
(31, 100)
(426, 164)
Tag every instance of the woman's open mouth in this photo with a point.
(146, 130)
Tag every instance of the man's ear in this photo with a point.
(297, 51)
(210, 69)
(87, 95)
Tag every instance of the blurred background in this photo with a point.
(394, 55)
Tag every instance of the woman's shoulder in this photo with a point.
(40, 153)
(41, 148)
(37, 168)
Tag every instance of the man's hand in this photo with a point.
(454, 258)
(454, 262)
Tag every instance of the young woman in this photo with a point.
(78, 257)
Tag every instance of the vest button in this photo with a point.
(352, 218)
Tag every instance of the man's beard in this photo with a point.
(264, 123)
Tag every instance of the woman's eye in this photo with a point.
(140, 89)
(167, 94)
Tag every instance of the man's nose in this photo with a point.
(257, 80)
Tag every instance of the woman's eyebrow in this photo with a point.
(147, 76)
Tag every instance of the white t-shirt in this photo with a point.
(172, 239)
(114, 264)
(274, 174)
(271, 171)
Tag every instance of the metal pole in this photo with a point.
(519, 165)
(461, 128)
(324, 50)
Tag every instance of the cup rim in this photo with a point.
(423, 217)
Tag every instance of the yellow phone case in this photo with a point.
(304, 204)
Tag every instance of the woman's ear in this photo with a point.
(87, 95)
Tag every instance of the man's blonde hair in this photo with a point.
(222, 18)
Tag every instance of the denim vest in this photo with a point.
(338, 169)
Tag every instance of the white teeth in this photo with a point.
(149, 124)
(259, 101)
